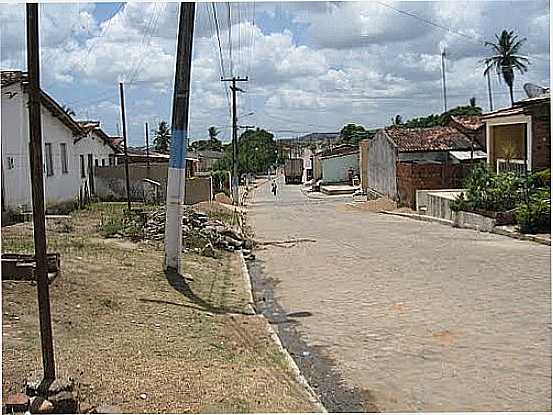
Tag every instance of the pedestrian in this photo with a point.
(274, 189)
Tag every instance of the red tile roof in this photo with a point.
(471, 122)
(428, 139)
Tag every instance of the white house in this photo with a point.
(61, 136)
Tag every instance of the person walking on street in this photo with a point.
(274, 188)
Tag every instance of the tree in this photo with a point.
(397, 120)
(352, 134)
(506, 58)
(257, 151)
(472, 102)
(212, 144)
(162, 137)
(436, 120)
(213, 132)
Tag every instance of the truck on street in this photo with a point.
(293, 171)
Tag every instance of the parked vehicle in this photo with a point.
(293, 171)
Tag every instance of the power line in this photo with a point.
(230, 39)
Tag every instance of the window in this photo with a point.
(103, 162)
(112, 159)
(83, 171)
(96, 162)
(49, 160)
(11, 163)
(63, 155)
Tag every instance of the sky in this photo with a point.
(312, 66)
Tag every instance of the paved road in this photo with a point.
(423, 316)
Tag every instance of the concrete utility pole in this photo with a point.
(147, 148)
(235, 178)
(490, 92)
(124, 121)
(443, 80)
(176, 175)
(37, 182)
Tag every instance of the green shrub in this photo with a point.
(535, 216)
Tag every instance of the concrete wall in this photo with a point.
(111, 184)
(364, 164)
(381, 169)
(60, 188)
(335, 169)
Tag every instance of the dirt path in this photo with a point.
(124, 329)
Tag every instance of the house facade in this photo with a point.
(519, 138)
(336, 165)
(398, 161)
(61, 135)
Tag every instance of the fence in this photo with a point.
(412, 177)
(111, 184)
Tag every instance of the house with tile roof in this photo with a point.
(71, 148)
(397, 161)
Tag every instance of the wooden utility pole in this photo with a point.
(147, 148)
(490, 92)
(37, 183)
(235, 178)
(176, 174)
(443, 80)
(124, 122)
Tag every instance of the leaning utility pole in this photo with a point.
(176, 174)
(490, 92)
(443, 80)
(37, 182)
(124, 121)
(235, 178)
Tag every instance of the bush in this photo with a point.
(535, 216)
(489, 191)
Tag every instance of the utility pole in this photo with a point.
(490, 92)
(235, 178)
(443, 80)
(147, 148)
(124, 121)
(37, 182)
(176, 174)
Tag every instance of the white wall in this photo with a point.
(60, 188)
(381, 167)
(335, 169)
(16, 182)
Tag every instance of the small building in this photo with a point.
(398, 161)
(339, 164)
(470, 125)
(207, 159)
(519, 138)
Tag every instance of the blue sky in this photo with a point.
(313, 66)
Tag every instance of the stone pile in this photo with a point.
(200, 234)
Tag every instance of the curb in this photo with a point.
(247, 281)
(495, 230)
(274, 336)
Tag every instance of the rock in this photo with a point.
(107, 409)
(209, 251)
(39, 405)
(233, 242)
(143, 396)
(17, 402)
(248, 244)
(246, 252)
(34, 388)
(250, 257)
(64, 403)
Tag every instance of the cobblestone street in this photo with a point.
(423, 316)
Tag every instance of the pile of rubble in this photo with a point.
(200, 234)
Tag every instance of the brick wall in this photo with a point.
(412, 177)
(541, 136)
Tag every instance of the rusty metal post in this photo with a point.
(37, 182)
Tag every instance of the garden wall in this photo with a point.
(412, 177)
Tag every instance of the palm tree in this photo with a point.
(162, 138)
(506, 58)
(213, 133)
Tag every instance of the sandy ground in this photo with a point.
(123, 328)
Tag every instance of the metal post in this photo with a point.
(37, 182)
(176, 175)
(443, 80)
(147, 148)
(124, 121)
